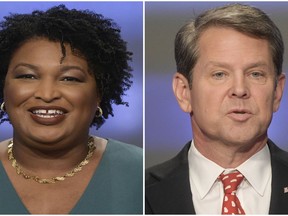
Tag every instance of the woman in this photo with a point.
(61, 71)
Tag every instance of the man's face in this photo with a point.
(234, 92)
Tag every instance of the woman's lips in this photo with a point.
(48, 115)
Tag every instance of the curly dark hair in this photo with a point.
(96, 38)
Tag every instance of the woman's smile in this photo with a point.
(48, 115)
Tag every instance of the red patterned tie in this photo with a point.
(231, 203)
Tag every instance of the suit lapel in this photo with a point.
(172, 193)
(279, 195)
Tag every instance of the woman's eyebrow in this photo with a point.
(33, 67)
(71, 67)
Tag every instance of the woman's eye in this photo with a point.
(26, 76)
(71, 79)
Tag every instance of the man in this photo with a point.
(230, 81)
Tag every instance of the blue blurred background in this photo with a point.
(127, 124)
(167, 128)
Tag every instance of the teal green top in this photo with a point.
(115, 188)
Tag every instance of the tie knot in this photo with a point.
(231, 181)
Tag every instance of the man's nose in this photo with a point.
(239, 87)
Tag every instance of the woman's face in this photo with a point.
(48, 100)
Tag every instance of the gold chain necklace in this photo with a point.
(52, 180)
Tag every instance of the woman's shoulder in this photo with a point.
(124, 160)
(123, 152)
(125, 148)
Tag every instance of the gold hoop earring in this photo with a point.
(99, 112)
(2, 107)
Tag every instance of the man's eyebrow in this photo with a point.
(217, 64)
(227, 65)
(257, 64)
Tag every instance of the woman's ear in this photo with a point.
(181, 91)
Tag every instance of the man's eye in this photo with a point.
(257, 77)
(219, 75)
(256, 74)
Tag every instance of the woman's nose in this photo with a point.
(47, 90)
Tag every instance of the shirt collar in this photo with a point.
(257, 170)
(204, 172)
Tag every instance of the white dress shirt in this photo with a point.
(254, 192)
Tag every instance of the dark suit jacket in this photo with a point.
(168, 187)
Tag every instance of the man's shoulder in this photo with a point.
(167, 187)
(278, 155)
(170, 167)
(159, 171)
(279, 195)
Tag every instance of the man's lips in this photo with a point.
(240, 115)
(240, 111)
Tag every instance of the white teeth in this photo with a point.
(59, 112)
(46, 116)
(39, 111)
(47, 113)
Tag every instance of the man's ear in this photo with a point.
(279, 91)
(182, 92)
